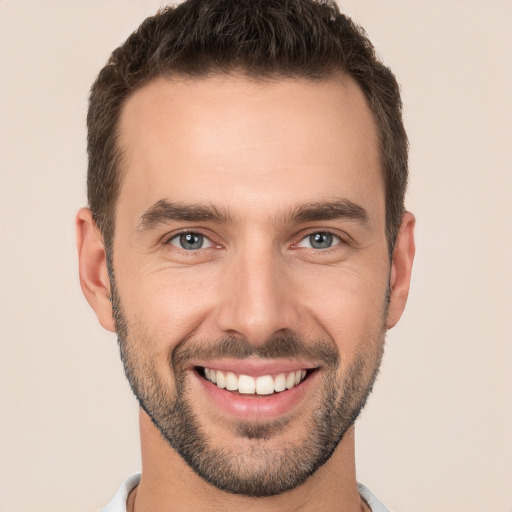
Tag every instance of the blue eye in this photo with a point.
(320, 240)
(190, 241)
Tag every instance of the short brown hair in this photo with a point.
(265, 39)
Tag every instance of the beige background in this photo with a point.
(436, 435)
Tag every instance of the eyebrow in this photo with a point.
(330, 210)
(165, 211)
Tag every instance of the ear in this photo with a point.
(92, 259)
(401, 267)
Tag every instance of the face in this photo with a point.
(251, 271)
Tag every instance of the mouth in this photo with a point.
(255, 392)
(262, 385)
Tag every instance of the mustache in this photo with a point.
(281, 345)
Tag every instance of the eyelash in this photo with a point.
(337, 238)
(167, 241)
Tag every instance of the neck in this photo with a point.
(167, 483)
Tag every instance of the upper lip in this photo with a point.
(255, 368)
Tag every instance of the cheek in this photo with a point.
(349, 306)
(168, 304)
(344, 303)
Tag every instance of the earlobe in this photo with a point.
(401, 268)
(94, 278)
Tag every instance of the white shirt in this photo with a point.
(118, 503)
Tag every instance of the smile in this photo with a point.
(247, 385)
(254, 389)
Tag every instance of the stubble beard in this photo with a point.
(258, 470)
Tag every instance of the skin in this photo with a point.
(259, 150)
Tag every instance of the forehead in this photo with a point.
(246, 143)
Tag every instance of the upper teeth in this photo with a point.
(264, 385)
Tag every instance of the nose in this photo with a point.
(257, 298)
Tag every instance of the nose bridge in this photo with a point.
(256, 300)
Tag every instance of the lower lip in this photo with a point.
(256, 407)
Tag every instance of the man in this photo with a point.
(248, 242)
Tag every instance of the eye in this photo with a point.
(190, 241)
(320, 240)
